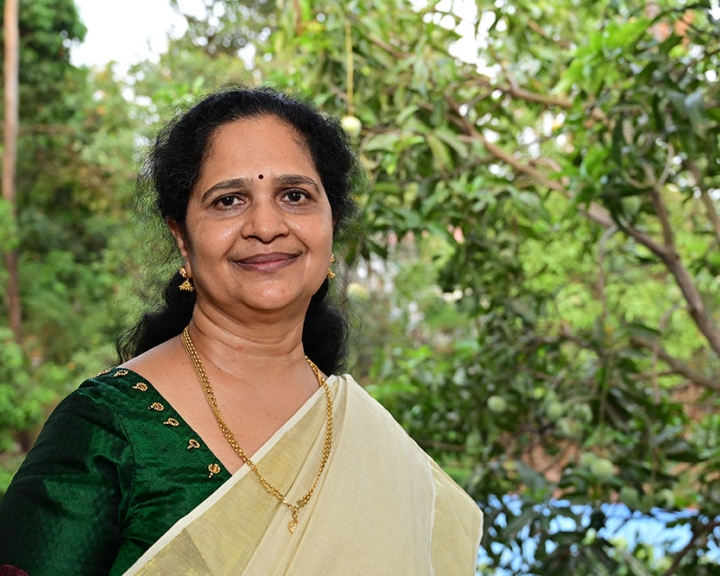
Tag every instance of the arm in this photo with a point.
(62, 512)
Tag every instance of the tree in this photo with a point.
(10, 134)
(75, 172)
(229, 26)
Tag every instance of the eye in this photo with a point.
(227, 201)
(296, 196)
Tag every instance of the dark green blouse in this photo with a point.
(112, 470)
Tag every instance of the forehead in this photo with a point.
(250, 147)
(265, 133)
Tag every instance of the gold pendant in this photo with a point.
(295, 517)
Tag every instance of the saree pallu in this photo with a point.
(381, 507)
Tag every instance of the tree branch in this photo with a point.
(660, 209)
(387, 47)
(594, 211)
(528, 96)
(705, 197)
(11, 123)
(698, 533)
(647, 241)
(517, 92)
(534, 26)
(696, 307)
(711, 212)
(666, 252)
(676, 365)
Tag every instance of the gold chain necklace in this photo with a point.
(269, 488)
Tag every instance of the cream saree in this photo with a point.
(382, 506)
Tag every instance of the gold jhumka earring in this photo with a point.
(186, 286)
(330, 273)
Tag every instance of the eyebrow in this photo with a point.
(296, 180)
(232, 184)
(240, 183)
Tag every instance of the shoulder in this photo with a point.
(100, 407)
(162, 365)
(363, 412)
(389, 431)
(112, 389)
(113, 382)
(359, 400)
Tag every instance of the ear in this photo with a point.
(178, 233)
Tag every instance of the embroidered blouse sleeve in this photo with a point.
(62, 512)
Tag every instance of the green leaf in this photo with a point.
(386, 142)
(440, 152)
(695, 110)
(452, 139)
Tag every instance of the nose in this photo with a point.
(264, 221)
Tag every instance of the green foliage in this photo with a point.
(47, 81)
(228, 26)
(8, 228)
(74, 190)
(22, 402)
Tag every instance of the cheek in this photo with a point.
(210, 237)
(320, 238)
(327, 228)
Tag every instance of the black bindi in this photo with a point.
(260, 176)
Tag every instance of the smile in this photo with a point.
(267, 262)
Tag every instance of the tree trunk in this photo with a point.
(12, 58)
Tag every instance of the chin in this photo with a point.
(271, 301)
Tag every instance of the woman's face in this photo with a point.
(258, 230)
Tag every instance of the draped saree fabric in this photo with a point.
(382, 506)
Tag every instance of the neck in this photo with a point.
(266, 350)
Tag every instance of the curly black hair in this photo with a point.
(172, 169)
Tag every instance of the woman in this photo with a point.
(223, 444)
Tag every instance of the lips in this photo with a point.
(269, 262)
(266, 258)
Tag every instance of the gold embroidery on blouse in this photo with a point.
(214, 469)
(171, 422)
(141, 386)
(120, 373)
(156, 406)
(103, 372)
(193, 444)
